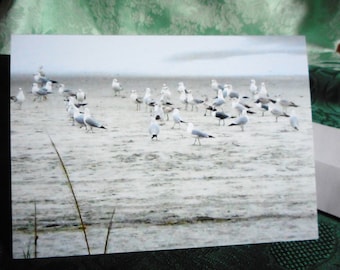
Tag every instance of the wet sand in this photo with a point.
(239, 187)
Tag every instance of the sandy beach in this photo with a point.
(240, 187)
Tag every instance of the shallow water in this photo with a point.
(237, 188)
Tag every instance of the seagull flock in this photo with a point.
(222, 95)
(221, 101)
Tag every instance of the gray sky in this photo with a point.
(160, 55)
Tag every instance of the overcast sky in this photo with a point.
(160, 55)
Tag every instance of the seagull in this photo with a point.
(193, 101)
(154, 129)
(180, 87)
(253, 88)
(80, 96)
(263, 90)
(219, 101)
(208, 107)
(42, 80)
(293, 120)
(265, 100)
(65, 92)
(19, 98)
(177, 118)
(90, 122)
(41, 92)
(277, 113)
(239, 107)
(221, 116)
(285, 103)
(167, 109)
(165, 95)
(78, 118)
(215, 85)
(197, 134)
(183, 96)
(147, 99)
(241, 121)
(136, 99)
(262, 107)
(116, 87)
(158, 112)
(228, 91)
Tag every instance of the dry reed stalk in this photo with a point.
(35, 231)
(109, 230)
(73, 194)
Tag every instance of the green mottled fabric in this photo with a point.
(318, 20)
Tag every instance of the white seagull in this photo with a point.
(65, 92)
(42, 92)
(138, 100)
(19, 98)
(182, 94)
(241, 121)
(194, 102)
(277, 112)
(78, 118)
(80, 96)
(215, 85)
(154, 129)
(219, 101)
(116, 87)
(293, 120)
(253, 88)
(285, 103)
(147, 99)
(177, 118)
(197, 134)
(90, 122)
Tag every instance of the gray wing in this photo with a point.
(93, 122)
(199, 133)
(79, 119)
(241, 120)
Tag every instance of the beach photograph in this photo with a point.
(143, 143)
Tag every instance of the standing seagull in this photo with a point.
(253, 88)
(197, 134)
(262, 107)
(293, 120)
(219, 101)
(154, 129)
(138, 100)
(277, 113)
(241, 121)
(90, 122)
(215, 85)
(147, 99)
(80, 96)
(78, 118)
(193, 101)
(42, 92)
(116, 87)
(221, 116)
(177, 118)
(19, 98)
(285, 103)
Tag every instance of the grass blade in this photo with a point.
(73, 194)
(109, 230)
(35, 231)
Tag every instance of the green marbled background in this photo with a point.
(317, 20)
